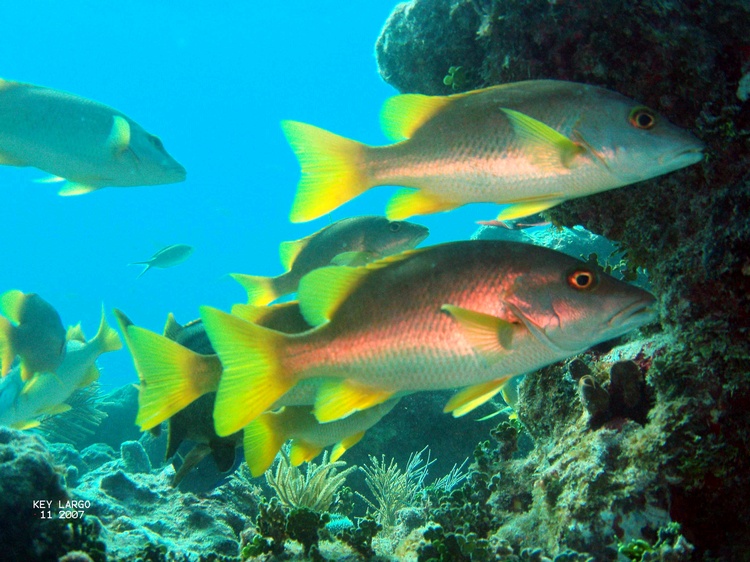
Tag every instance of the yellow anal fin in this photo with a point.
(474, 396)
(491, 336)
(301, 451)
(263, 437)
(401, 115)
(253, 377)
(119, 137)
(526, 208)
(56, 409)
(546, 147)
(337, 399)
(28, 424)
(333, 170)
(260, 290)
(75, 333)
(172, 376)
(75, 188)
(408, 202)
(288, 251)
(345, 444)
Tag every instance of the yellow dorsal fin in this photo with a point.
(546, 147)
(491, 336)
(75, 333)
(403, 114)
(263, 437)
(106, 337)
(288, 251)
(337, 399)
(11, 304)
(474, 396)
(172, 327)
(301, 451)
(345, 444)
(408, 202)
(119, 136)
(323, 290)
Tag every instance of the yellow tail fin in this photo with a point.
(262, 440)
(253, 377)
(172, 376)
(260, 290)
(332, 170)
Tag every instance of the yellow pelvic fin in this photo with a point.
(172, 376)
(7, 353)
(11, 304)
(262, 440)
(403, 114)
(32, 382)
(260, 290)
(26, 372)
(49, 179)
(354, 259)
(491, 336)
(75, 188)
(345, 444)
(337, 399)
(526, 208)
(301, 451)
(474, 396)
(253, 377)
(547, 148)
(172, 327)
(6, 160)
(288, 251)
(408, 202)
(119, 136)
(333, 170)
(323, 290)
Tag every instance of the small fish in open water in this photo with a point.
(166, 257)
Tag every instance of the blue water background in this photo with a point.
(212, 80)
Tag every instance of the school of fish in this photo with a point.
(374, 316)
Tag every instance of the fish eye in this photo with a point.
(642, 118)
(394, 226)
(582, 279)
(156, 141)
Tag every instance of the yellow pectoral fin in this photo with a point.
(544, 145)
(25, 424)
(75, 188)
(338, 399)
(323, 290)
(345, 444)
(408, 202)
(403, 114)
(474, 396)
(260, 290)
(354, 259)
(491, 336)
(262, 440)
(92, 375)
(301, 451)
(526, 208)
(119, 137)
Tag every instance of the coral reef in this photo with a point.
(689, 230)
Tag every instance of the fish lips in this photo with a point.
(682, 158)
(634, 315)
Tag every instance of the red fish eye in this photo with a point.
(395, 226)
(642, 118)
(582, 279)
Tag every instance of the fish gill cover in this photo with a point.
(631, 451)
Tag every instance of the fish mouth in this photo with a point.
(637, 314)
(683, 158)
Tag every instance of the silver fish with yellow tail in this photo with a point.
(529, 145)
(468, 314)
